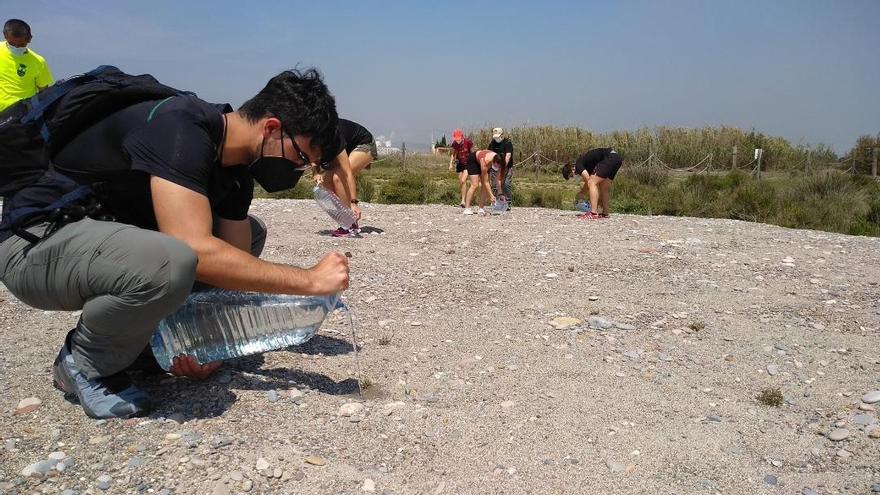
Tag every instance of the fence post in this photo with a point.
(537, 162)
(760, 156)
(874, 163)
(852, 164)
(733, 167)
(808, 166)
(403, 156)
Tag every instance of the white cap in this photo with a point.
(497, 132)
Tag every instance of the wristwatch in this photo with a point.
(354, 201)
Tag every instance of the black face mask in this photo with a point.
(275, 173)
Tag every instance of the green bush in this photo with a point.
(406, 188)
(649, 176)
(365, 187)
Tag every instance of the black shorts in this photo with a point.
(473, 165)
(607, 168)
(460, 167)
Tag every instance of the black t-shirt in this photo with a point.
(175, 139)
(590, 159)
(502, 148)
(352, 135)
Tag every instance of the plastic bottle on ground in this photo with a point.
(219, 324)
(331, 204)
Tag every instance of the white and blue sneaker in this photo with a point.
(101, 398)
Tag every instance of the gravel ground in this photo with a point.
(668, 330)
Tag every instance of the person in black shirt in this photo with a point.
(597, 168)
(174, 180)
(501, 178)
(357, 150)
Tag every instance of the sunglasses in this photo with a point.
(306, 162)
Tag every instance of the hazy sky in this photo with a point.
(803, 69)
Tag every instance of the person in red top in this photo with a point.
(461, 151)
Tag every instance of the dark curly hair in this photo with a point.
(303, 103)
(567, 170)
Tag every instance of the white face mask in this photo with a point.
(499, 139)
(16, 50)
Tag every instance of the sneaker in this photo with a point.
(589, 216)
(468, 211)
(603, 215)
(481, 211)
(343, 232)
(461, 205)
(101, 398)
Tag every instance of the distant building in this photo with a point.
(384, 148)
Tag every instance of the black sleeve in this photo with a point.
(580, 164)
(174, 147)
(236, 204)
(508, 148)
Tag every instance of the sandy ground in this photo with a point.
(473, 391)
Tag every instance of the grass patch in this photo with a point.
(825, 200)
(771, 397)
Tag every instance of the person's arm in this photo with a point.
(235, 232)
(451, 159)
(585, 188)
(223, 265)
(348, 183)
(44, 78)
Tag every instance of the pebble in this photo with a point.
(369, 485)
(844, 454)
(875, 488)
(296, 394)
(871, 397)
(615, 467)
(236, 475)
(624, 326)
(172, 436)
(563, 322)
(392, 407)
(838, 434)
(772, 369)
(508, 404)
(597, 323)
(104, 482)
(38, 469)
(31, 404)
(316, 461)
(58, 456)
(350, 409)
(247, 485)
(262, 464)
(551, 275)
(272, 395)
(771, 480)
(136, 462)
(68, 492)
(873, 431)
(864, 419)
(808, 491)
(593, 298)
(714, 419)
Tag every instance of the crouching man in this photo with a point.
(173, 181)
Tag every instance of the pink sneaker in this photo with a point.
(343, 232)
(589, 216)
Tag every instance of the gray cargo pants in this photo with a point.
(506, 184)
(123, 278)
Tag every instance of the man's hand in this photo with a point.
(356, 210)
(330, 275)
(189, 367)
(319, 179)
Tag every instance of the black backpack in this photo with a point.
(33, 130)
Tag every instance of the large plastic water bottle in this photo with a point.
(582, 206)
(219, 324)
(330, 203)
